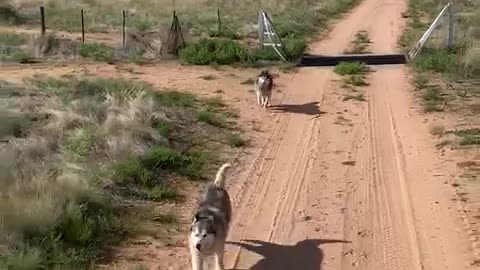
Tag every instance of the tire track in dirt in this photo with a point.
(379, 215)
(391, 217)
(278, 191)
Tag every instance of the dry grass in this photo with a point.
(148, 23)
(437, 130)
(72, 144)
(360, 43)
(198, 16)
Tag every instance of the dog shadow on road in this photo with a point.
(304, 255)
(310, 108)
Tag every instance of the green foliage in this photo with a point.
(350, 68)
(96, 51)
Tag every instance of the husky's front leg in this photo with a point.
(219, 259)
(267, 102)
(197, 259)
(264, 102)
(257, 92)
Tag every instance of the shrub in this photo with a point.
(162, 193)
(214, 51)
(438, 60)
(210, 118)
(235, 140)
(22, 57)
(164, 127)
(350, 68)
(356, 80)
(174, 99)
(96, 51)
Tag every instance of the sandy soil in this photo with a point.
(300, 202)
(312, 192)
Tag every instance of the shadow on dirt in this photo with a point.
(311, 108)
(304, 255)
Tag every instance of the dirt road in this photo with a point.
(320, 194)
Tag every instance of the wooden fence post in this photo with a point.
(83, 27)
(42, 19)
(261, 30)
(123, 27)
(219, 21)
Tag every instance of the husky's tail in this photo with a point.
(220, 178)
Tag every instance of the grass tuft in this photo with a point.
(356, 80)
(96, 51)
(210, 118)
(356, 97)
(235, 140)
(350, 68)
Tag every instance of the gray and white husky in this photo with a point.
(211, 223)
(263, 88)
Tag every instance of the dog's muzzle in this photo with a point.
(198, 247)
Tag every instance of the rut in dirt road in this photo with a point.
(297, 205)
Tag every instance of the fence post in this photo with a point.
(261, 30)
(83, 27)
(42, 19)
(123, 28)
(219, 21)
(450, 26)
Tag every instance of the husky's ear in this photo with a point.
(196, 217)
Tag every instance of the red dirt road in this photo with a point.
(301, 202)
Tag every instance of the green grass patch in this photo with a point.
(145, 171)
(470, 140)
(167, 218)
(437, 60)
(235, 140)
(144, 25)
(22, 57)
(211, 118)
(96, 51)
(91, 89)
(219, 51)
(432, 99)
(360, 43)
(81, 142)
(164, 127)
(437, 130)
(432, 94)
(132, 172)
(175, 99)
(468, 136)
(356, 80)
(350, 68)
(8, 39)
(162, 193)
(214, 104)
(362, 36)
(420, 82)
(71, 244)
(136, 56)
(224, 33)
